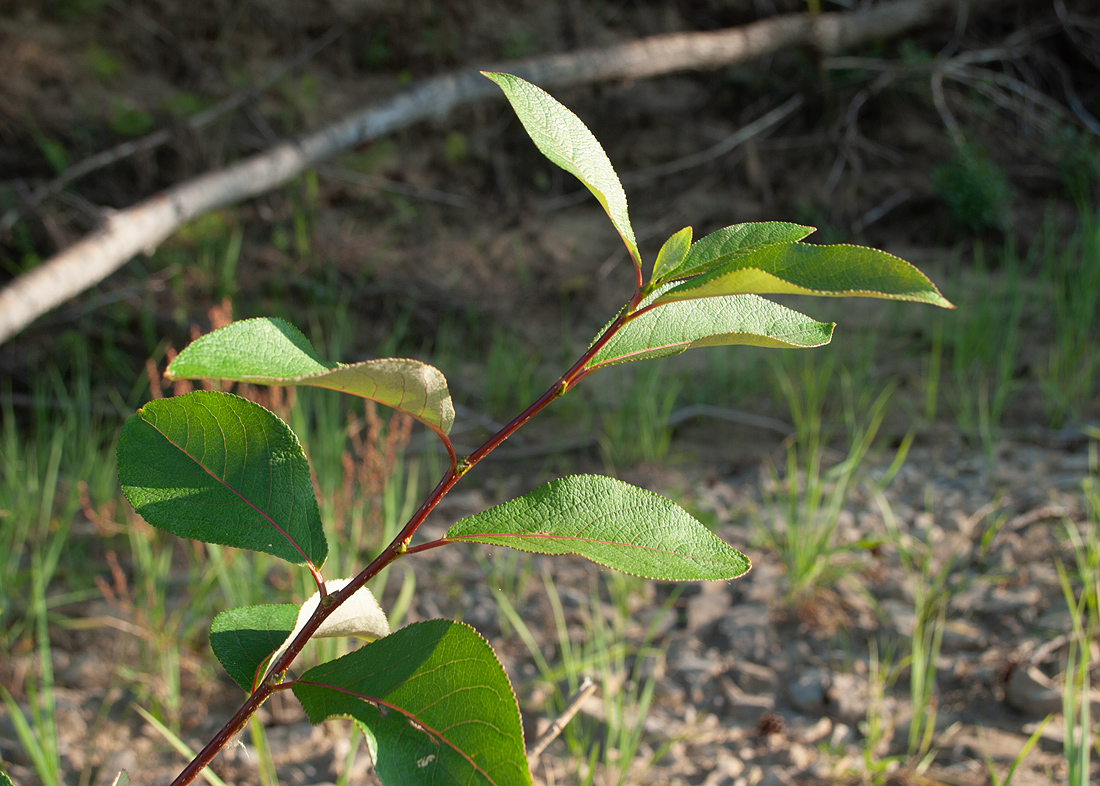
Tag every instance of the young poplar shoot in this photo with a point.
(432, 700)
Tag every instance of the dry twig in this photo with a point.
(145, 225)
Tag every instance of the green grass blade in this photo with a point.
(179, 745)
(41, 759)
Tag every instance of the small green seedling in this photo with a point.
(431, 698)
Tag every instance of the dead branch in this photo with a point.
(586, 689)
(145, 225)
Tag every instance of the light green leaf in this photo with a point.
(269, 351)
(609, 522)
(244, 638)
(799, 268)
(565, 140)
(217, 468)
(672, 254)
(435, 703)
(359, 616)
(672, 328)
(725, 244)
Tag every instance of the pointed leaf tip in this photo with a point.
(672, 328)
(804, 269)
(271, 351)
(671, 255)
(566, 141)
(611, 523)
(220, 469)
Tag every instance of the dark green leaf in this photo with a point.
(734, 319)
(610, 522)
(564, 139)
(435, 701)
(219, 469)
(244, 638)
(270, 351)
(799, 268)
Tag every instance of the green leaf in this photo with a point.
(244, 638)
(270, 351)
(220, 469)
(672, 254)
(800, 268)
(359, 616)
(610, 522)
(5, 780)
(436, 702)
(674, 327)
(725, 244)
(565, 140)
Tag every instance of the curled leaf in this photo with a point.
(803, 269)
(270, 351)
(359, 616)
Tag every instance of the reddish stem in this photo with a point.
(399, 545)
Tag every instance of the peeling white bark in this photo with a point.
(142, 227)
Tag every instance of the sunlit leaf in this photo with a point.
(435, 703)
(799, 268)
(734, 319)
(359, 616)
(672, 253)
(725, 244)
(244, 638)
(610, 522)
(220, 469)
(269, 351)
(564, 139)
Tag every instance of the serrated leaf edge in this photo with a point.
(294, 437)
(468, 539)
(412, 719)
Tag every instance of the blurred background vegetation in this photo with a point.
(971, 151)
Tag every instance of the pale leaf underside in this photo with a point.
(271, 351)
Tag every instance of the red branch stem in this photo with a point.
(398, 547)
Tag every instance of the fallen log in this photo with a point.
(142, 227)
